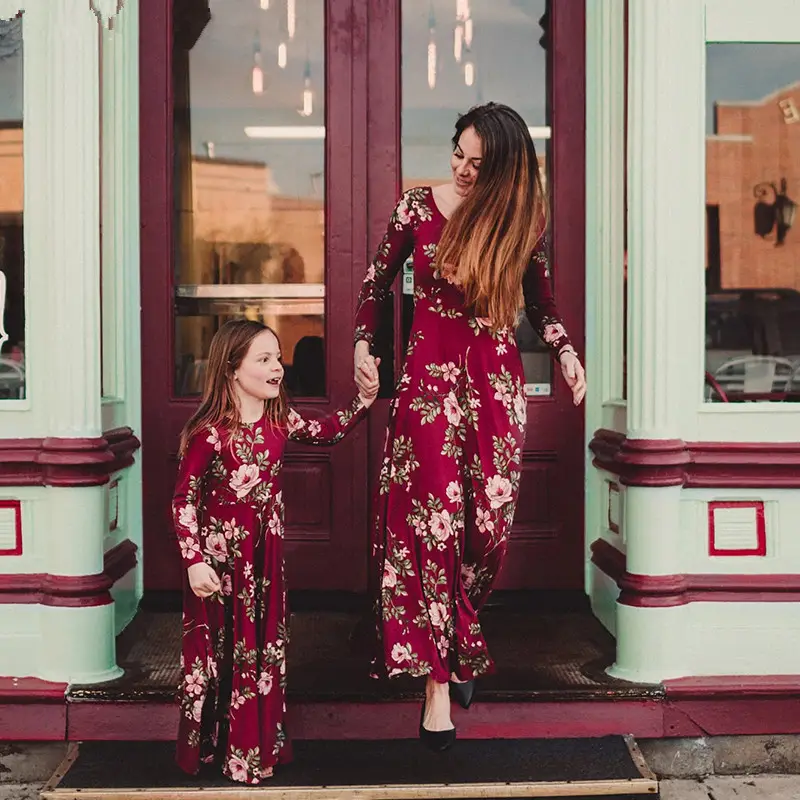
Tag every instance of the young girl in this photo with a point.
(228, 514)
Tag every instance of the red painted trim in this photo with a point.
(66, 462)
(33, 722)
(667, 591)
(31, 690)
(733, 686)
(761, 529)
(654, 462)
(16, 506)
(71, 591)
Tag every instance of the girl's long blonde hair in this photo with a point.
(218, 407)
(487, 244)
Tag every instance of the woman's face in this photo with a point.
(466, 161)
(261, 372)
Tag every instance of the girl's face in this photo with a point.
(466, 161)
(261, 372)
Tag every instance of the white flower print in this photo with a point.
(450, 372)
(229, 529)
(441, 525)
(187, 518)
(553, 332)
(275, 524)
(194, 682)
(521, 408)
(295, 421)
(389, 576)
(214, 440)
(498, 490)
(197, 710)
(403, 212)
(420, 527)
(438, 614)
(237, 699)
(248, 570)
(212, 664)
(401, 652)
(454, 493)
(237, 768)
(314, 428)
(216, 546)
(244, 478)
(370, 276)
(190, 547)
(484, 520)
(501, 349)
(227, 585)
(452, 410)
(264, 684)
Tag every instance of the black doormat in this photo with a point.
(397, 769)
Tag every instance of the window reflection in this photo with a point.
(752, 240)
(12, 256)
(249, 182)
(456, 55)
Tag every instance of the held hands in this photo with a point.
(574, 375)
(366, 373)
(203, 580)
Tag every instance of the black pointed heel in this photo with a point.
(462, 693)
(438, 741)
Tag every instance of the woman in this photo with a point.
(452, 461)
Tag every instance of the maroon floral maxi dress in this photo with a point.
(451, 470)
(228, 512)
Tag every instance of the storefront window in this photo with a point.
(752, 230)
(12, 256)
(456, 55)
(249, 182)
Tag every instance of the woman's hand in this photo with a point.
(574, 375)
(203, 580)
(366, 372)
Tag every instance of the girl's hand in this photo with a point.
(366, 370)
(203, 580)
(574, 375)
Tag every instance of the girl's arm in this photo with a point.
(540, 307)
(394, 249)
(192, 471)
(326, 430)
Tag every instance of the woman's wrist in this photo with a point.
(567, 348)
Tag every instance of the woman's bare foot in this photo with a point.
(437, 707)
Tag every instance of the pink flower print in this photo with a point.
(187, 518)
(441, 525)
(444, 646)
(212, 666)
(197, 710)
(314, 428)
(438, 614)
(227, 585)
(190, 548)
(248, 570)
(401, 652)
(275, 524)
(244, 479)
(521, 408)
(403, 213)
(194, 682)
(420, 527)
(214, 440)
(553, 332)
(216, 546)
(264, 684)
(238, 769)
(389, 576)
(229, 529)
(450, 372)
(295, 421)
(237, 699)
(484, 520)
(452, 410)
(468, 575)
(454, 492)
(370, 273)
(498, 490)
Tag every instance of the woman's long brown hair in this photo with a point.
(487, 244)
(218, 407)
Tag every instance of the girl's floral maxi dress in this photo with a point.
(228, 512)
(450, 475)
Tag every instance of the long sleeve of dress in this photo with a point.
(394, 249)
(540, 307)
(326, 430)
(192, 471)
